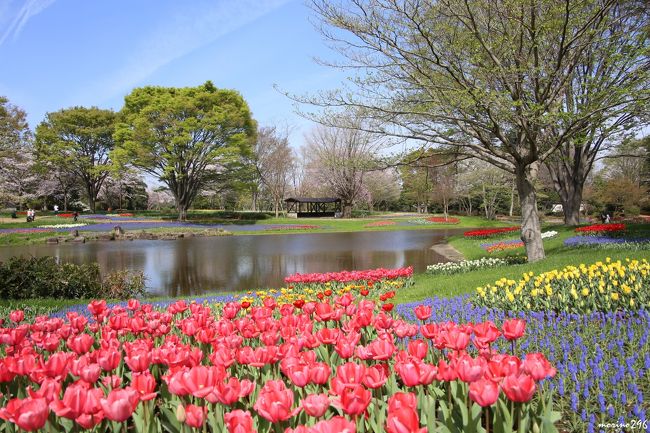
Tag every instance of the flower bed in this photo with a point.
(24, 231)
(62, 226)
(486, 233)
(435, 220)
(351, 276)
(65, 215)
(449, 268)
(345, 365)
(512, 243)
(601, 228)
(602, 286)
(502, 245)
(602, 359)
(294, 227)
(380, 224)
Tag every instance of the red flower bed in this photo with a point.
(601, 228)
(380, 224)
(442, 220)
(343, 365)
(65, 215)
(484, 233)
(125, 214)
(350, 276)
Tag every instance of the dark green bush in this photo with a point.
(45, 277)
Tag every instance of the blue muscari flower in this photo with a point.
(574, 402)
(601, 402)
(583, 415)
(610, 411)
(623, 399)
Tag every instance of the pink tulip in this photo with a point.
(470, 369)
(274, 402)
(28, 414)
(239, 421)
(337, 424)
(484, 392)
(195, 415)
(404, 420)
(120, 404)
(316, 405)
(355, 400)
(538, 366)
(519, 389)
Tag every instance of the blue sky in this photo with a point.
(61, 53)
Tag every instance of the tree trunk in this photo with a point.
(182, 213)
(65, 201)
(512, 199)
(347, 209)
(568, 182)
(276, 208)
(254, 201)
(531, 233)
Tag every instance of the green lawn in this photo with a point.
(557, 256)
(324, 225)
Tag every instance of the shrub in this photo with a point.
(45, 277)
(602, 286)
(124, 285)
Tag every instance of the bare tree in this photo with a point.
(274, 162)
(381, 187)
(487, 77)
(339, 157)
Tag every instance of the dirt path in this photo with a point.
(446, 250)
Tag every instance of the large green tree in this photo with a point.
(14, 130)
(185, 137)
(488, 77)
(78, 140)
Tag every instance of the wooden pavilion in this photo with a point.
(310, 207)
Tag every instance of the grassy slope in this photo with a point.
(558, 256)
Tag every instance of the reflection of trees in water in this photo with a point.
(197, 265)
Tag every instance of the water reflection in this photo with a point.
(194, 266)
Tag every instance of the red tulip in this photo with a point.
(404, 420)
(229, 391)
(484, 392)
(239, 421)
(376, 376)
(538, 366)
(120, 404)
(355, 400)
(319, 373)
(485, 333)
(422, 312)
(337, 424)
(274, 402)
(387, 307)
(50, 390)
(409, 372)
(514, 328)
(17, 316)
(381, 349)
(80, 344)
(519, 389)
(195, 415)
(418, 348)
(402, 399)
(145, 384)
(470, 369)
(316, 404)
(28, 414)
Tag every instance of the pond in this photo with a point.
(194, 266)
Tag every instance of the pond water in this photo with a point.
(194, 266)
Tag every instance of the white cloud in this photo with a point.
(13, 18)
(193, 26)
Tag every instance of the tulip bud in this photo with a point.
(180, 413)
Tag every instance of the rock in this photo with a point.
(118, 230)
(52, 241)
(79, 240)
(106, 237)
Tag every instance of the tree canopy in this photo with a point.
(79, 140)
(185, 137)
(487, 77)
